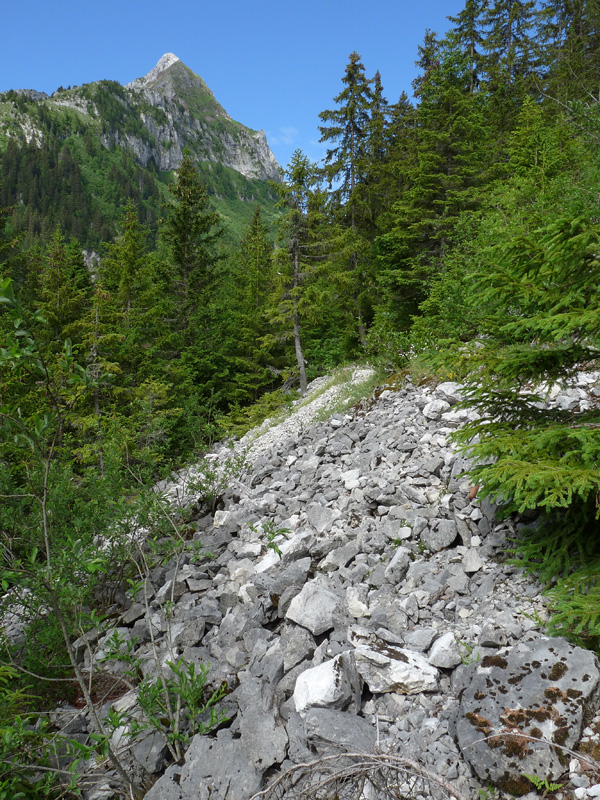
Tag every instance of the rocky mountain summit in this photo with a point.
(359, 608)
(156, 117)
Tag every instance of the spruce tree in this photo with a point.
(249, 282)
(469, 32)
(191, 230)
(346, 164)
(446, 167)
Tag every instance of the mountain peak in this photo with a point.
(164, 62)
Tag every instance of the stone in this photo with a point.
(472, 561)
(450, 391)
(332, 684)
(356, 597)
(298, 645)
(314, 608)
(340, 557)
(150, 752)
(326, 728)
(264, 740)
(543, 688)
(321, 517)
(398, 566)
(435, 408)
(214, 769)
(444, 652)
(440, 533)
(387, 668)
(171, 591)
(420, 639)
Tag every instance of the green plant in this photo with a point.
(466, 656)
(178, 704)
(210, 481)
(118, 648)
(543, 785)
(272, 533)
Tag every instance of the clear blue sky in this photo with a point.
(272, 64)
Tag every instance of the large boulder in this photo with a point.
(522, 706)
(214, 769)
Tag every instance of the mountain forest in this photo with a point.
(147, 311)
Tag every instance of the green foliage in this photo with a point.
(184, 687)
(543, 785)
(271, 533)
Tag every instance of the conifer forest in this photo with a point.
(451, 233)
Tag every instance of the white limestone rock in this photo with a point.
(332, 684)
(444, 652)
(387, 668)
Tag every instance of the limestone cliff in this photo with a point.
(156, 117)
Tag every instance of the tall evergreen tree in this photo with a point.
(249, 283)
(191, 230)
(295, 297)
(448, 165)
(346, 163)
(469, 33)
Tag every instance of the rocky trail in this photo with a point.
(357, 600)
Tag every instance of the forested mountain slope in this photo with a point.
(75, 158)
(452, 233)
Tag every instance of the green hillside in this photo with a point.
(75, 159)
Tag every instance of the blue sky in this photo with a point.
(273, 64)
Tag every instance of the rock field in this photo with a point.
(383, 621)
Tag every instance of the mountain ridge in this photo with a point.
(112, 131)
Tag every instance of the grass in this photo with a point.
(277, 406)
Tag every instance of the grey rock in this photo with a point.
(314, 608)
(298, 645)
(326, 728)
(340, 557)
(445, 653)
(472, 561)
(171, 591)
(263, 739)
(440, 533)
(543, 688)
(151, 752)
(321, 517)
(435, 408)
(387, 668)
(398, 566)
(420, 639)
(214, 769)
(492, 636)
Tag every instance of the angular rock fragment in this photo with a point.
(314, 608)
(387, 668)
(333, 684)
